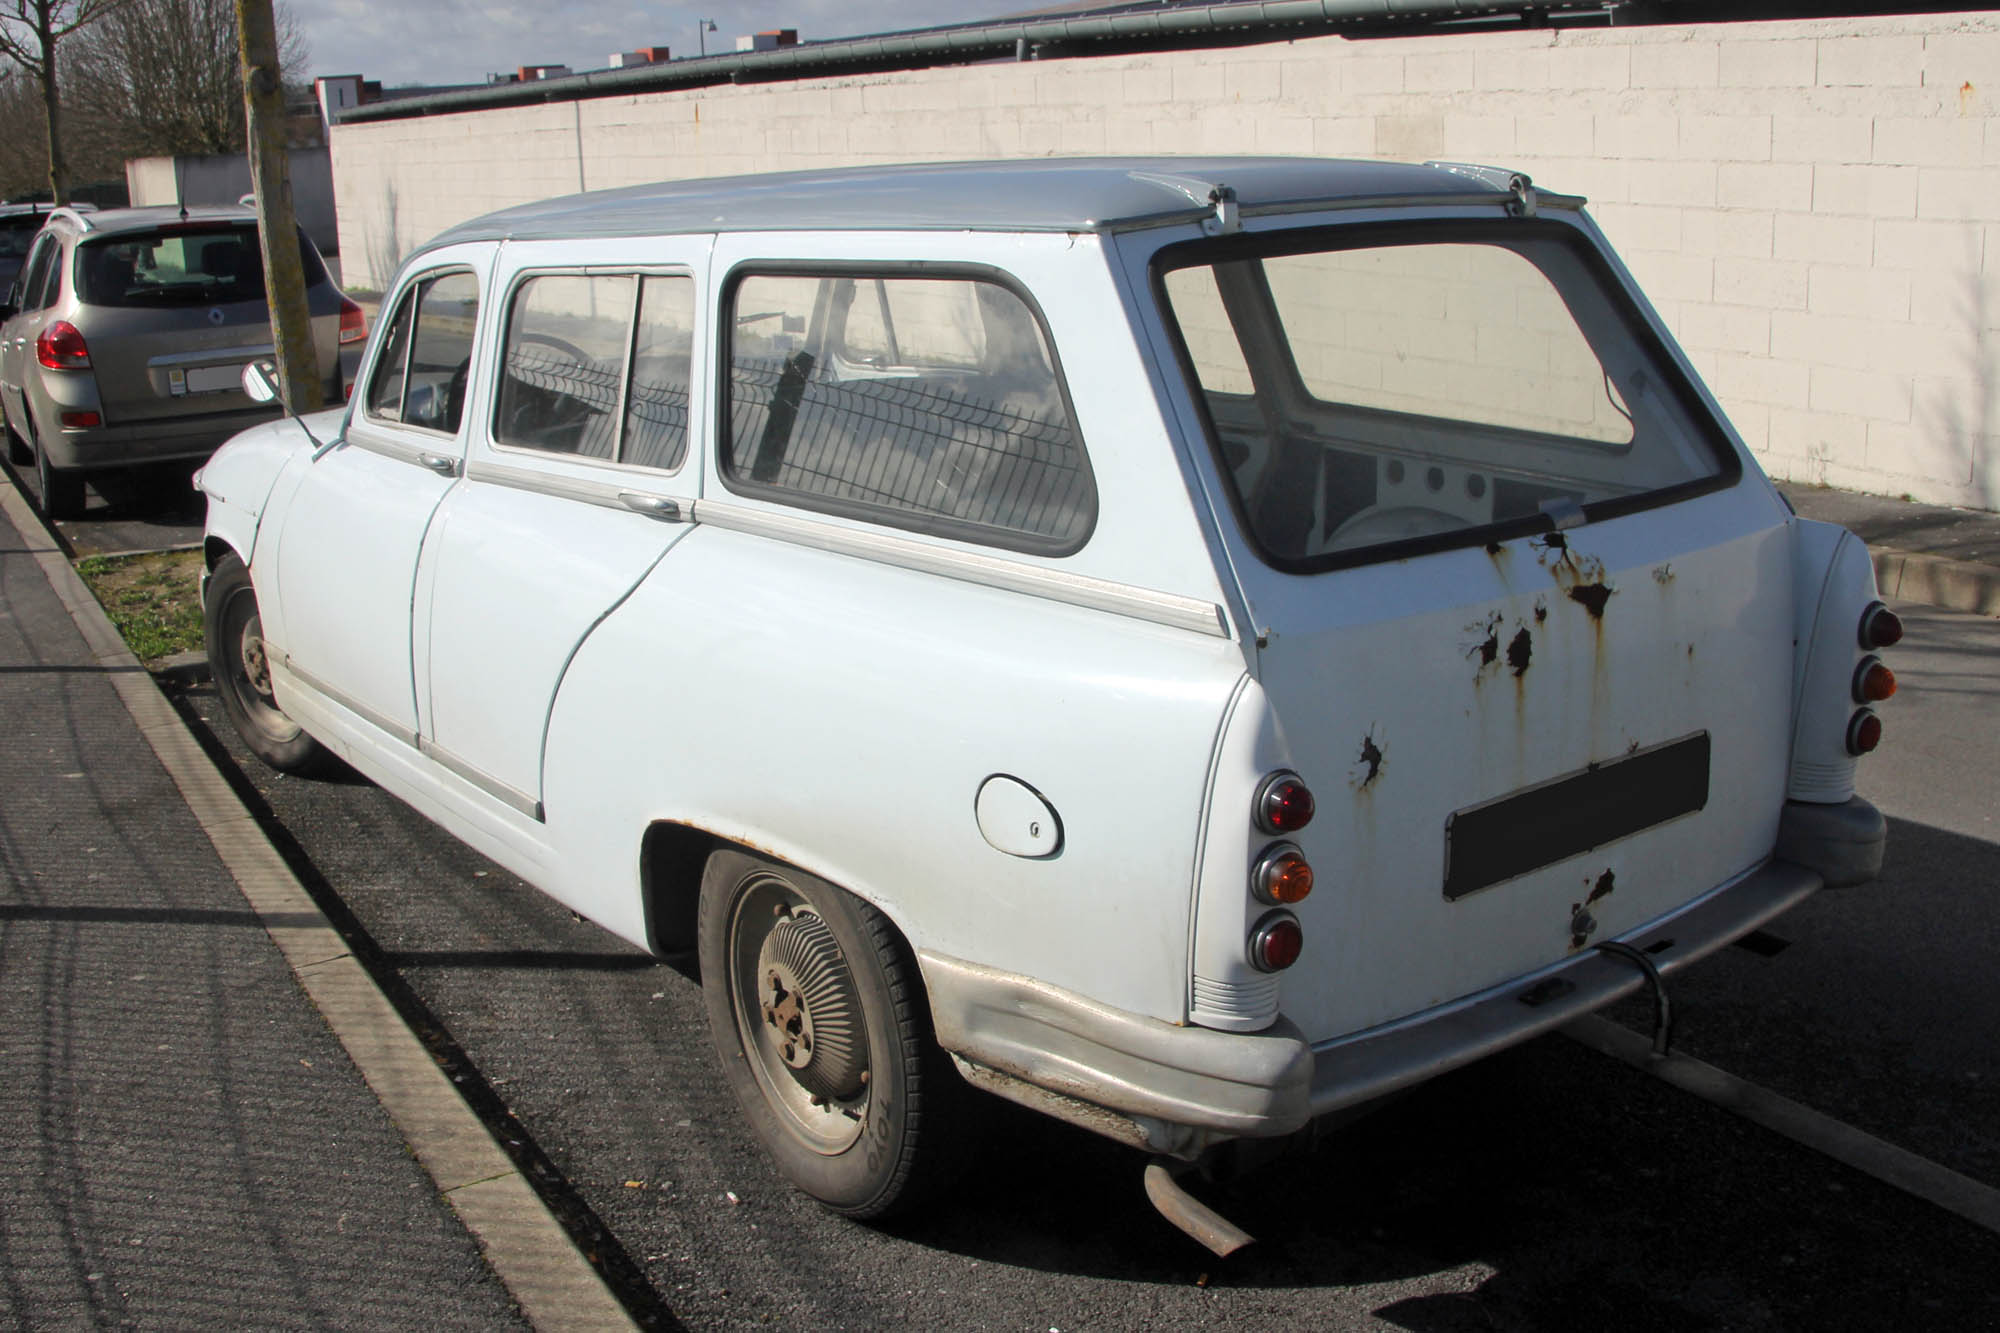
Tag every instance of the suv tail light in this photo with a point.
(353, 323)
(61, 347)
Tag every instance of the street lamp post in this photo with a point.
(701, 31)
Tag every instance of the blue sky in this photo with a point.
(461, 41)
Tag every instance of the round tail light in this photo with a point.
(1880, 627)
(1276, 942)
(1282, 875)
(1873, 682)
(1864, 732)
(1283, 804)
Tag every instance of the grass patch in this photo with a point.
(153, 599)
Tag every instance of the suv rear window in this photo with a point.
(180, 266)
(1376, 394)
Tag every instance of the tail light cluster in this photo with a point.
(1281, 875)
(353, 322)
(61, 347)
(1873, 682)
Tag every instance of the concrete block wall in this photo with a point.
(1813, 205)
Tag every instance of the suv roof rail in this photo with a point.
(82, 222)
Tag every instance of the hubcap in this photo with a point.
(256, 666)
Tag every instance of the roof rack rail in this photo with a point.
(74, 215)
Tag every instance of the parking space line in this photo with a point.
(528, 1249)
(1897, 1167)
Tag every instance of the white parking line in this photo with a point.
(528, 1249)
(1897, 1167)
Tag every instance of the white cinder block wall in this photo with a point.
(1814, 206)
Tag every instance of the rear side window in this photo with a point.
(598, 366)
(180, 266)
(922, 402)
(425, 364)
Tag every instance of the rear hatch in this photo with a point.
(1525, 630)
(171, 315)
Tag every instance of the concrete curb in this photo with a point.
(527, 1248)
(1955, 585)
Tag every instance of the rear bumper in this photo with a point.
(1170, 1088)
(146, 442)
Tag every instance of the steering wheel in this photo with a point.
(1392, 523)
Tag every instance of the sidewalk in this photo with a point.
(1923, 553)
(183, 1142)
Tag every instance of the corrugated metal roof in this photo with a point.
(1040, 194)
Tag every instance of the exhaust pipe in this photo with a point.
(1190, 1214)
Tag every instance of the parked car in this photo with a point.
(125, 340)
(18, 225)
(1190, 646)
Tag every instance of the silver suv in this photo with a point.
(126, 334)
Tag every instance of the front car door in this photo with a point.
(18, 335)
(579, 478)
(354, 522)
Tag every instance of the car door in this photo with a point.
(18, 335)
(352, 527)
(579, 479)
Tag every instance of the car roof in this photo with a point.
(116, 221)
(1039, 194)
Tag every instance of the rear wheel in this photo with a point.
(240, 666)
(818, 1014)
(62, 488)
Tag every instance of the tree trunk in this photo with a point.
(284, 274)
(51, 101)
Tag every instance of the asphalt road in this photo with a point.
(154, 508)
(1546, 1188)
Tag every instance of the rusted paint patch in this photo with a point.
(1541, 610)
(1663, 575)
(1592, 597)
(1370, 763)
(1495, 549)
(1485, 648)
(1519, 649)
(1582, 925)
(1601, 889)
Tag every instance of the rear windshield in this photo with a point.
(1378, 393)
(180, 266)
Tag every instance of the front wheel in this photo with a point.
(818, 1014)
(239, 663)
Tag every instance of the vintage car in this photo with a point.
(1190, 646)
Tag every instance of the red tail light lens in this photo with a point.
(353, 323)
(61, 347)
(1276, 942)
(1283, 804)
(1864, 732)
(1282, 876)
(1873, 682)
(81, 420)
(1880, 627)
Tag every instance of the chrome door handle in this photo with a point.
(652, 506)
(440, 464)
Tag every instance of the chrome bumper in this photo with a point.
(1175, 1089)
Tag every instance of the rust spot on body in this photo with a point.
(1519, 649)
(1495, 549)
(1541, 610)
(1605, 883)
(1663, 575)
(1592, 597)
(1486, 648)
(1582, 925)
(1371, 758)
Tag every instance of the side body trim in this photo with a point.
(606, 494)
(1161, 608)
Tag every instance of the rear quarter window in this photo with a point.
(931, 403)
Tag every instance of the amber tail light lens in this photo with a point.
(1283, 804)
(1873, 682)
(1276, 942)
(1880, 627)
(1282, 876)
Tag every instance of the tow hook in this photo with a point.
(1190, 1214)
(1663, 1014)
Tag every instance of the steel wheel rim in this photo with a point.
(247, 664)
(827, 1125)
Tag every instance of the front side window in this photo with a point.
(1428, 388)
(40, 264)
(928, 403)
(599, 366)
(421, 375)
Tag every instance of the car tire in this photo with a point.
(233, 632)
(819, 1017)
(62, 488)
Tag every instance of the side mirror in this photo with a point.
(260, 380)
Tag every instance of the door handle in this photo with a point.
(440, 464)
(652, 506)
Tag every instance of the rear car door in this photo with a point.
(32, 294)
(354, 522)
(1523, 628)
(579, 479)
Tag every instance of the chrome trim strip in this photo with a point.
(1161, 608)
(510, 796)
(608, 494)
(374, 719)
(415, 455)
